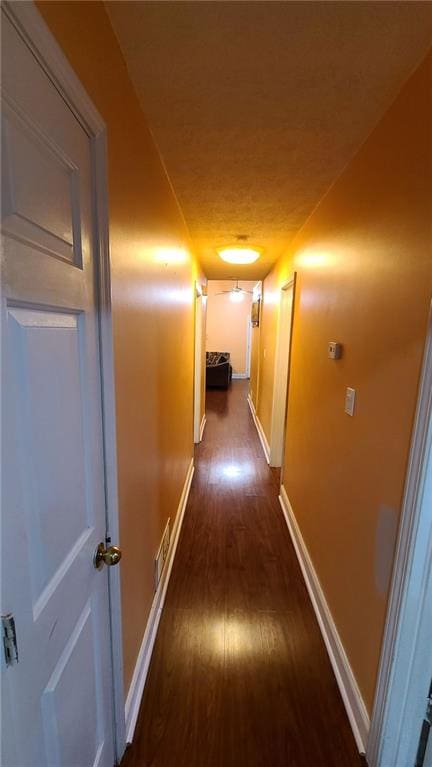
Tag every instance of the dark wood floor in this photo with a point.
(239, 675)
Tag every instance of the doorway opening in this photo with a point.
(229, 325)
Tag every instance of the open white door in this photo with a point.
(58, 696)
(199, 422)
(248, 347)
(281, 374)
(400, 731)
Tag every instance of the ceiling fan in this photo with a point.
(235, 289)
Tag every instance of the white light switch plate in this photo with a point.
(350, 400)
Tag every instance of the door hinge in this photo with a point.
(9, 639)
(428, 715)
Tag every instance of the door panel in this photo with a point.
(46, 362)
(58, 698)
(31, 162)
(60, 719)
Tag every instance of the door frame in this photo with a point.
(248, 346)
(257, 295)
(198, 423)
(280, 385)
(30, 25)
(402, 687)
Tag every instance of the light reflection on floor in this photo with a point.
(235, 636)
(257, 636)
(232, 470)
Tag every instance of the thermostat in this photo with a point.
(334, 350)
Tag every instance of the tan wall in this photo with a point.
(153, 310)
(364, 268)
(227, 322)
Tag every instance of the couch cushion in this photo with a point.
(211, 358)
(216, 358)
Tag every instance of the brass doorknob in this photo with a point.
(103, 556)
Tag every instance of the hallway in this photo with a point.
(158, 155)
(239, 673)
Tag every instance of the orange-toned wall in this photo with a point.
(364, 266)
(153, 310)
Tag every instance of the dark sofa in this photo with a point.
(218, 370)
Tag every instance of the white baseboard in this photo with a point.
(260, 430)
(348, 687)
(202, 427)
(136, 689)
(240, 375)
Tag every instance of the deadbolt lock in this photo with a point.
(110, 556)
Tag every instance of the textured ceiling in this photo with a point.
(256, 107)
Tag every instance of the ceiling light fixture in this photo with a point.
(235, 255)
(239, 254)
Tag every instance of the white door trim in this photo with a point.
(411, 568)
(198, 422)
(32, 28)
(280, 385)
(257, 294)
(248, 346)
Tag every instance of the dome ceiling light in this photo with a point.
(238, 254)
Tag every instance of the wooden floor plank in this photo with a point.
(239, 674)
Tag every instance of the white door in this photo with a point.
(57, 700)
(198, 364)
(281, 375)
(248, 345)
(400, 727)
